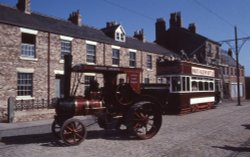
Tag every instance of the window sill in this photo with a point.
(149, 69)
(90, 63)
(61, 61)
(28, 59)
(24, 98)
(132, 66)
(115, 65)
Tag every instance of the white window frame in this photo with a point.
(114, 58)
(92, 55)
(63, 52)
(25, 71)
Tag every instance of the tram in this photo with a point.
(191, 85)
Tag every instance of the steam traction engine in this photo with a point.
(118, 104)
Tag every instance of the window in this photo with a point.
(149, 62)
(209, 49)
(146, 80)
(24, 84)
(117, 36)
(28, 45)
(87, 80)
(194, 86)
(185, 83)
(115, 57)
(202, 84)
(122, 37)
(91, 53)
(65, 48)
(132, 59)
(176, 84)
(59, 86)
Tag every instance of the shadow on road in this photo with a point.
(235, 149)
(43, 139)
(49, 140)
(247, 126)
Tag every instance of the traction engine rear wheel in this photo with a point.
(73, 132)
(144, 120)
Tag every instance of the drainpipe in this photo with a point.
(48, 61)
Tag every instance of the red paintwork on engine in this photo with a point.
(86, 106)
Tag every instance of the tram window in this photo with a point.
(194, 86)
(168, 81)
(183, 83)
(188, 84)
(201, 86)
(206, 86)
(211, 86)
(176, 84)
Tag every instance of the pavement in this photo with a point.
(32, 127)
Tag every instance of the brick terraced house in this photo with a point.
(191, 45)
(228, 74)
(32, 47)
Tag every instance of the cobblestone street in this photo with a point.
(220, 132)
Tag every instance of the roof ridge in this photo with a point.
(7, 5)
(48, 16)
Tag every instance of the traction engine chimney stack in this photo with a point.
(67, 75)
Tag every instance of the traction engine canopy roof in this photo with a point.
(82, 68)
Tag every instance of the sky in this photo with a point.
(214, 19)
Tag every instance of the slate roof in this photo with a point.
(181, 38)
(228, 60)
(110, 31)
(12, 16)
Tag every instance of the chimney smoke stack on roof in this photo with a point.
(76, 18)
(24, 6)
(139, 35)
(192, 27)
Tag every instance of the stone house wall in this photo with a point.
(48, 61)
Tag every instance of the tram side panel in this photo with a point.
(182, 103)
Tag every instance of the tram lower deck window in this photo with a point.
(176, 84)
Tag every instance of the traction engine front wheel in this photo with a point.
(55, 128)
(73, 132)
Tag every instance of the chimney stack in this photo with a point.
(75, 18)
(192, 27)
(139, 35)
(230, 52)
(24, 6)
(175, 20)
(160, 29)
(111, 24)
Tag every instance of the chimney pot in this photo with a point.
(111, 24)
(192, 27)
(175, 20)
